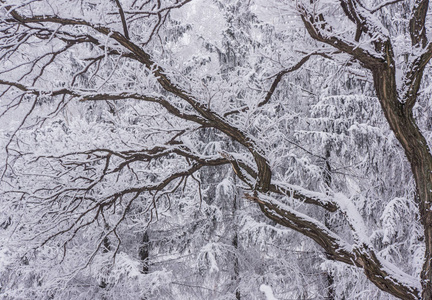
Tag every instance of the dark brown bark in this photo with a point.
(417, 152)
(397, 109)
(361, 256)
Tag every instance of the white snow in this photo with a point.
(354, 218)
(268, 292)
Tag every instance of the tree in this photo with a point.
(56, 52)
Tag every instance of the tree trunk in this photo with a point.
(235, 243)
(401, 121)
(144, 253)
(327, 181)
(106, 248)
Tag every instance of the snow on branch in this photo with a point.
(382, 273)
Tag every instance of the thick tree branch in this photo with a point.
(417, 23)
(216, 121)
(319, 30)
(379, 272)
(397, 109)
(381, 63)
(304, 195)
(413, 78)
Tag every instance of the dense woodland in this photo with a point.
(215, 149)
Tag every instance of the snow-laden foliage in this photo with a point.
(215, 149)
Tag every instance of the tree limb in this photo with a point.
(123, 19)
(360, 255)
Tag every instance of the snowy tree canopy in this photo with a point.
(202, 149)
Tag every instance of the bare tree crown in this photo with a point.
(158, 116)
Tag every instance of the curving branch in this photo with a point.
(413, 78)
(321, 31)
(86, 209)
(378, 271)
(279, 75)
(213, 119)
(396, 101)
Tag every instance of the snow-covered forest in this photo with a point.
(215, 149)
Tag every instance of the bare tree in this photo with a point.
(117, 41)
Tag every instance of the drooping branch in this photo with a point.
(320, 30)
(258, 178)
(213, 119)
(88, 96)
(279, 75)
(379, 272)
(247, 174)
(290, 218)
(397, 103)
